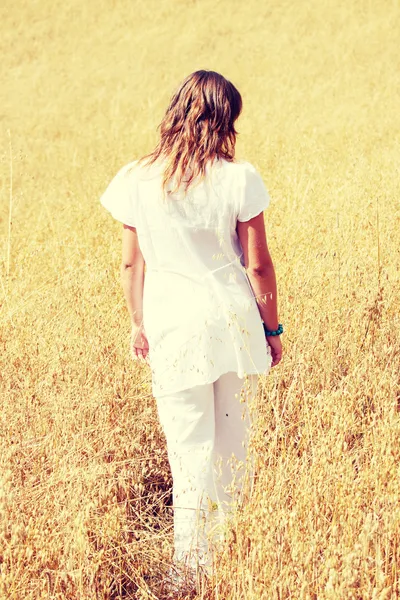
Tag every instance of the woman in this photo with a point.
(201, 292)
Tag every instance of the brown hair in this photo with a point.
(197, 127)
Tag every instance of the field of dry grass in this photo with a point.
(84, 478)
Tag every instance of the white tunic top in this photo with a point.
(199, 311)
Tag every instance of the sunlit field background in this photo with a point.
(85, 487)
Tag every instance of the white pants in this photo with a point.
(207, 429)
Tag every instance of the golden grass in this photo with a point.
(84, 476)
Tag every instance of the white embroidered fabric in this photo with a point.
(199, 311)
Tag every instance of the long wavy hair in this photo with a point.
(198, 127)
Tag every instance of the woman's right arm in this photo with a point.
(261, 274)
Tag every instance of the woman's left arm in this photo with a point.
(132, 280)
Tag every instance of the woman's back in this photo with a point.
(190, 232)
(199, 311)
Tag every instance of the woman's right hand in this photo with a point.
(275, 344)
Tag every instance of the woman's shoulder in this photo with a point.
(245, 165)
(135, 171)
(242, 171)
(241, 166)
(141, 170)
(128, 169)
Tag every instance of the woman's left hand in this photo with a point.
(139, 344)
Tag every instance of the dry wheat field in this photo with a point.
(85, 487)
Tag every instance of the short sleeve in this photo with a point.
(118, 198)
(254, 197)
